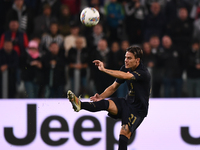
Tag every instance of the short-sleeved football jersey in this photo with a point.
(139, 88)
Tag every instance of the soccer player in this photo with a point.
(132, 109)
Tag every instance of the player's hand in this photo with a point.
(96, 98)
(99, 64)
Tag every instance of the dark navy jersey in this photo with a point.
(139, 89)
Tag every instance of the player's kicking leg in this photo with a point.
(90, 106)
(107, 105)
(76, 103)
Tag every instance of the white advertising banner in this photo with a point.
(42, 124)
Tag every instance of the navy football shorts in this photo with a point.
(126, 114)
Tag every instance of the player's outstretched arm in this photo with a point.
(108, 92)
(114, 73)
(96, 98)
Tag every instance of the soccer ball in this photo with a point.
(89, 16)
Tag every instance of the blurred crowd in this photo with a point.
(45, 50)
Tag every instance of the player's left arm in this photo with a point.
(107, 92)
(114, 73)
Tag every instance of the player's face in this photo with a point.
(131, 61)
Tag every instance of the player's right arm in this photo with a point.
(115, 73)
(107, 92)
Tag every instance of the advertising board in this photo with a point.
(44, 124)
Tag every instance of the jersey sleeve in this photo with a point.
(139, 75)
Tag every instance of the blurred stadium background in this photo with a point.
(45, 50)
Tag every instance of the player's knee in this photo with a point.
(112, 108)
(125, 131)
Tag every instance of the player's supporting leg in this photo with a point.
(90, 106)
(123, 141)
(124, 136)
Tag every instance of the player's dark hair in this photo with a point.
(137, 51)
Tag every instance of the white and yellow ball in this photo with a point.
(89, 16)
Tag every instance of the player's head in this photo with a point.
(137, 51)
(133, 56)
